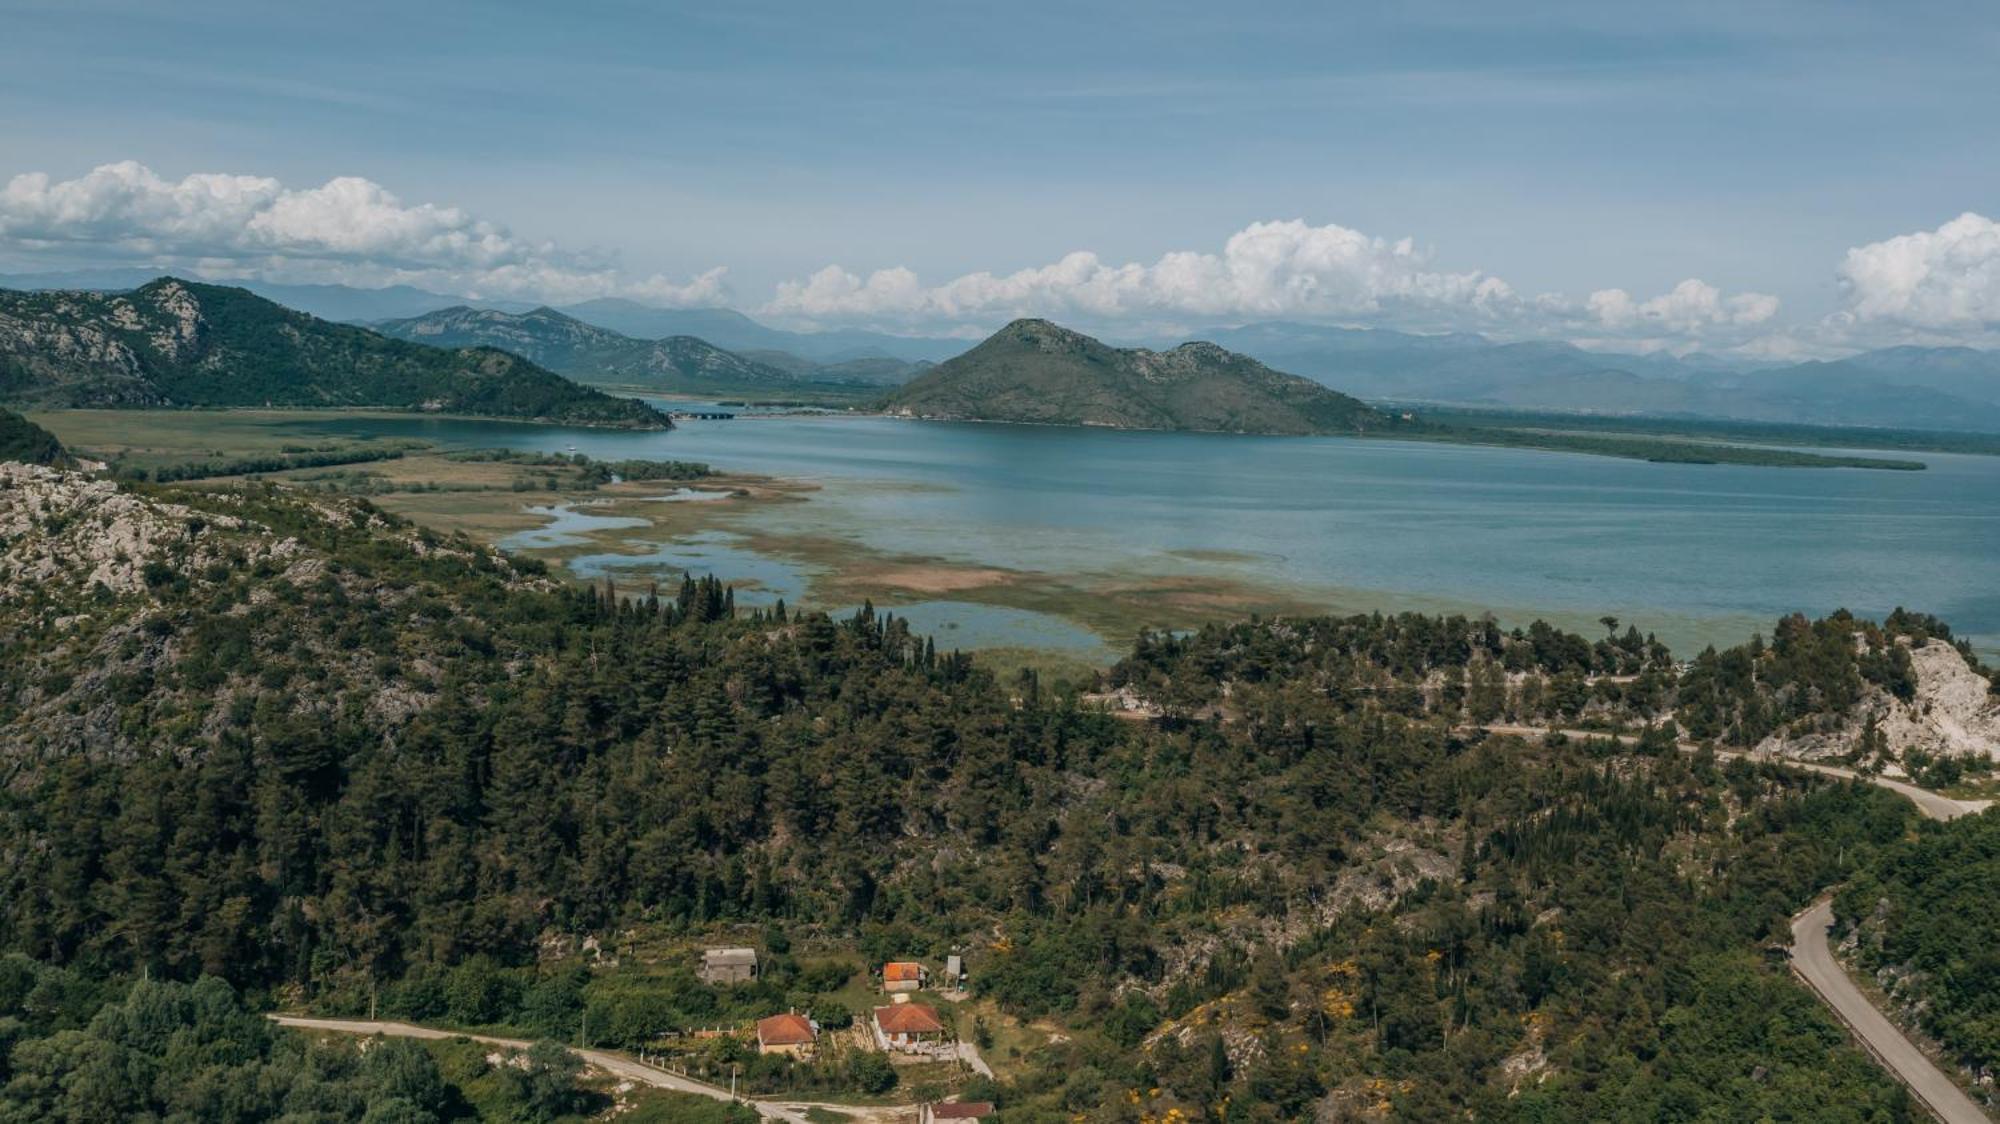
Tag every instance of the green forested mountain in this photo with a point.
(682, 363)
(868, 370)
(731, 329)
(1034, 371)
(299, 745)
(541, 335)
(566, 344)
(178, 343)
(23, 440)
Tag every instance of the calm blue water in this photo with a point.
(760, 582)
(1694, 552)
(567, 525)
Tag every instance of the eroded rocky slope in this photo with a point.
(132, 620)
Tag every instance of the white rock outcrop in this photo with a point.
(66, 529)
(1953, 713)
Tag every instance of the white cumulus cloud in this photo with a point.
(1271, 270)
(1948, 278)
(1690, 308)
(351, 230)
(348, 230)
(1266, 269)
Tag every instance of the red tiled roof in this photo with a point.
(907, 1018)
(899, 971)
(785, 1030)
(960, 1110)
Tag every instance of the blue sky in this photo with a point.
(1562, 150)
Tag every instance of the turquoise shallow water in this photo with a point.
(1695, 552)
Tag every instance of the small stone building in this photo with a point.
(728, 965)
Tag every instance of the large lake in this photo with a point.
(1694, 552)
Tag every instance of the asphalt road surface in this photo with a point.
(1814, 962)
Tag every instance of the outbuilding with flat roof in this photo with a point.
(728, 965)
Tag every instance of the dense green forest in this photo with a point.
(1925, 918)
(74, 1047)
(1807, 677)
(338, 761)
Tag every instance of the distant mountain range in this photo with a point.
(1904, 387)
(683, 363)
(1935, 387)
(1908, 387)
(727, 328)
(566, 344)
(873, 372)
(343, 303)
(179, 343)
(1035, 371)
(723, 327)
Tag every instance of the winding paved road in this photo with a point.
(1814, 962)
(1934, 805)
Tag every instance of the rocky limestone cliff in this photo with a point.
(63, 532)
(1954, 713)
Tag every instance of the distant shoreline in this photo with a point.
(33, 409)
(1661, 449)
(1656, 450)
